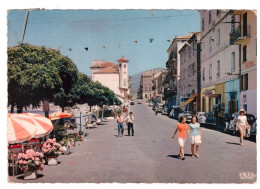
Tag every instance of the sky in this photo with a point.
(108, 34)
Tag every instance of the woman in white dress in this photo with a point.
(242, 124)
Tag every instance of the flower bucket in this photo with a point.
(72, 142)
(52, 160)
(29, 175)
(66, 150)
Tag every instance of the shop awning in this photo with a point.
(187, 102)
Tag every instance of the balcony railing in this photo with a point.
(239, 34)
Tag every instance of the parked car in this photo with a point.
(210, 120)
(139, 102)
(164, 110)
(158, 108)
(201, 118)
(175, 111)
(68, 122)
(132, 102)
(186, 114)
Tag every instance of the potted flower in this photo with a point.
(52, 150)
(66, 144)
(30, 162)
(81, 133)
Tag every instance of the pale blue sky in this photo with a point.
(77, 29)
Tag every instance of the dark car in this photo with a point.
(210, 120)
(175, 111)
(132, 102)
(231, 125)
(187, 115)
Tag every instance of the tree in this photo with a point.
(32, 75)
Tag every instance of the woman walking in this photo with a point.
(195, 136)
(182, 127)
(242, 125)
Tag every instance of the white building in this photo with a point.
(219, 62)
(244, 35)
(114, 76)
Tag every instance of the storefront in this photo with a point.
(207, 102)
(248, 101)
(232, 90)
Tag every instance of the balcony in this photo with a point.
(239, 35)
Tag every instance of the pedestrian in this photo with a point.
(195, 136)
(120, 124)
(242, 125)
(182, 127)
(130, 123)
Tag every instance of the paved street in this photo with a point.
(151, 156)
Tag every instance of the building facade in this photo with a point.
(220, 67)
(189, 86)
(174, 73)
(146, 83)
(244, 35)
(114, 76)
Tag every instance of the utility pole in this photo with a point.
(25, 24)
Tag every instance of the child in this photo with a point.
(130, 123)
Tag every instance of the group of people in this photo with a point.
(129, 120)
(194, 132)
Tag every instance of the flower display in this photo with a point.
(66, 142)
(51, 148)
(31, 160)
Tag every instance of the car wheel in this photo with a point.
(66, 125)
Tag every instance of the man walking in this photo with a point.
(120, 123)
(130, 123)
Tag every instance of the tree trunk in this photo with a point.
(19, 109)
(90, 108)
(12, 108)
(62, 108)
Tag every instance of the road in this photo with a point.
(151, 156)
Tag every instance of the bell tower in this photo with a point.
(123, 73)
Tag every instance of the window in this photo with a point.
(244, 53)
(218, 70)
(210, 72)
(124, 82)
(218, 12)
(244, 82)
(203, 74)
(218, 36)
(189, 52)
(210, 17)
(202, 24)
(210, 44)
(233, 61)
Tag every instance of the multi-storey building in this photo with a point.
(244, 35)
(189, 82)
(146, 83)
(114, 76)
(173, 66)
(219, 63)
(158, 87)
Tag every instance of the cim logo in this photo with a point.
(247, 175)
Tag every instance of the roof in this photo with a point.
(197, 34)
(108, 69)
(149, 73)
(122, 59)
(103, 64)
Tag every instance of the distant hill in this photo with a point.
(135, 80)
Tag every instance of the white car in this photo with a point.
(201, 117)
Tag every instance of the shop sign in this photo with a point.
(208, 93)
(244, 98)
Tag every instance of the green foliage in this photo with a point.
(38, 73)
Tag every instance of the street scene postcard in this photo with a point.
(132, 96)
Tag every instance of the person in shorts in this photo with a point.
(182, 127)
(242, 124)
(195, 134)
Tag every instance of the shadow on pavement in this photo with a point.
(233, 143)
(178, 157)
(22, 177)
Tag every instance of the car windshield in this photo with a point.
(187, 112)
